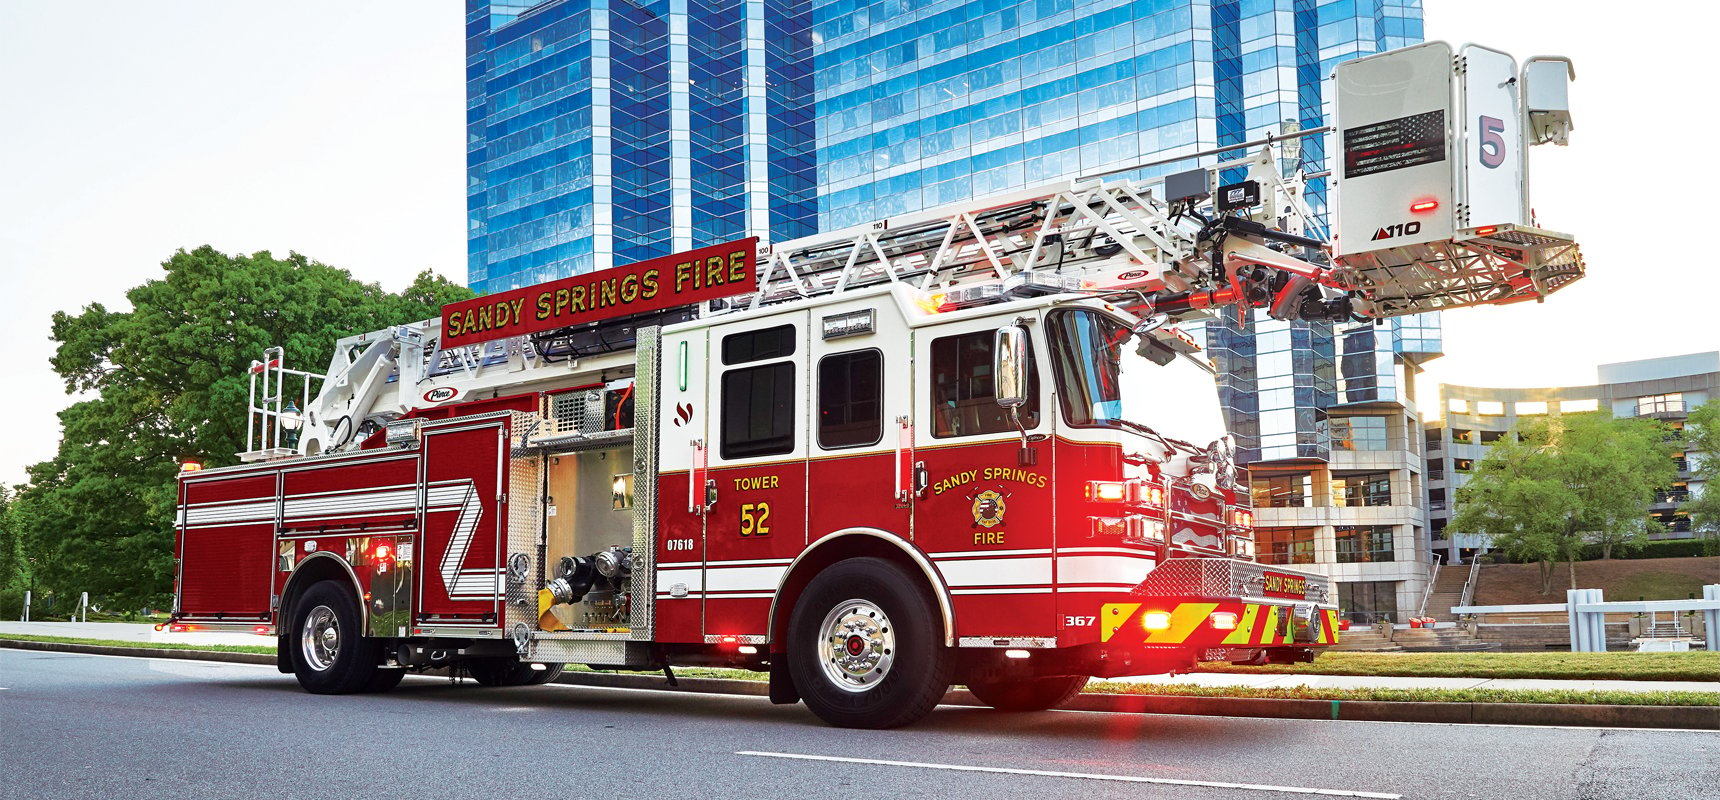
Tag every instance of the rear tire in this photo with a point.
(1032, 694)
(865, 649)
(330, 652)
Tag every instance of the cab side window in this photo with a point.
(964, 402)
(758, 401)
(850, 399)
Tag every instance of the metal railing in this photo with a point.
(1468, 597)
(1432, 578)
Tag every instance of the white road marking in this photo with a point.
(1082, 775)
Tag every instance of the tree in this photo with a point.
(168, 381)
(1560, 484)
(1702, 449)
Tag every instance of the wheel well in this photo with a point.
(854, 543)
(316, 568)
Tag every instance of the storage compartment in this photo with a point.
(588, 520)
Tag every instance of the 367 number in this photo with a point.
(755, 519)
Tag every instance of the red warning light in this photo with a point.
(1423, 205)
(1487, 231)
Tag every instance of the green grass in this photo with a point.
(217, 648)
(1557, 696)
(1650, 585)
(1696, 666)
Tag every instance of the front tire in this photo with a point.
(330, 653)
(865, 649)
(1032, 694)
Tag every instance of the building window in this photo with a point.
(1531, 408)
(1660, 404)
(1677, 493)
(964, 402)
(851, 399)
(1457, 406)
(1372, 489)
(1368, 602)
(1579, 406)
(1284, 545)
(1283, 491)
(1436, 499)
(1463, 464)
(1462, 436)
(1358, 433)
(1363, 544)
(1490, 408)
(1489, 437)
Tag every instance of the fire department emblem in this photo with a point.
(988, 508)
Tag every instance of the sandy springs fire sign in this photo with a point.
(675, 280)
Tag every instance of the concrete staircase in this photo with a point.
(1440, 640)
(1365, 639)
(1447, 592)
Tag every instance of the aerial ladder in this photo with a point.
(1430, 212)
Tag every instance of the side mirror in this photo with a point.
(1009, 366)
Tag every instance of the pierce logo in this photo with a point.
(440, 394)
(1400, 229)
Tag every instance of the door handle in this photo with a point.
(710, 494)
(922, 478)
(696, 479)
(904, 461)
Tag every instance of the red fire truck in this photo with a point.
(965, 446)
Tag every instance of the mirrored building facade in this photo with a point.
(601, 132)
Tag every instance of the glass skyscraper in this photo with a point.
(604, 132)
(601, 132)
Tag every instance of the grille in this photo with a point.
(575, 412)
(1218, 577)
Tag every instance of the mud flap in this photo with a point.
(782, 691)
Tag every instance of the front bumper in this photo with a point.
(1215, 603)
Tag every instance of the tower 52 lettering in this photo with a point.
(677, 280)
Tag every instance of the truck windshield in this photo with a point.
(1103, 382)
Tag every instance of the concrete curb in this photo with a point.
(1688, 717)
(141, 652)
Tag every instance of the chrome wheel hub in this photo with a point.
(319, 639)
(859, 645)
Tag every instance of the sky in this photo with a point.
(336, 130)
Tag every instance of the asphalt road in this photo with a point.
(78, 726)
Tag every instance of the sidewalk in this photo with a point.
(147, 633)
(1377, 682)
(130, 632)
